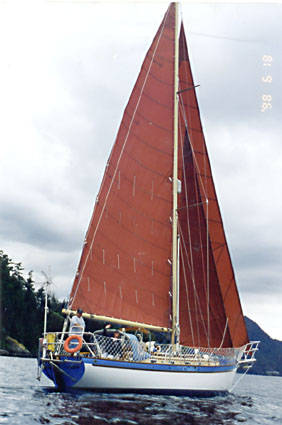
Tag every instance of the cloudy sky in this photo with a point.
(66, 72)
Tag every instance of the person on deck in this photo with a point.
(77, 324)
(117, 344)
(105, 330)
(114, 345)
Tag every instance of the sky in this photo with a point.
(66, 72)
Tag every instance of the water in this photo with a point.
(24, 401)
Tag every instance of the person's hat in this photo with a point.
(79, 311)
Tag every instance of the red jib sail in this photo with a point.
(210, 309)
(125, 267)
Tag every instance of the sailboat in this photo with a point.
(155, 259)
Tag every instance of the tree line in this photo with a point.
(22, 317)
(22, 306)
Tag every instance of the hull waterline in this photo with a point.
(116, 376)
(121, 379)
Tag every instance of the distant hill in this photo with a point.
(269, 356)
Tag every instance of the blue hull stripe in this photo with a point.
(159, 367)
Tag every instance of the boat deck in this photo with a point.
(129, 349)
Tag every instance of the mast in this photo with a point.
(175, 319)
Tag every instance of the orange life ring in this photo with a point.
(76, 348)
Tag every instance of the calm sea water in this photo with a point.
(23, 400)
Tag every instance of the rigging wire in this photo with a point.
(196, 297)
(197, 172)
(189, 233)
(224, 333)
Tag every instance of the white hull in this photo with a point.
(126, 379)
(194, 371)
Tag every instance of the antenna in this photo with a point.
(48, 282)
(48, 279)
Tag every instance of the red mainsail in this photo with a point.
(125, 267)
(124, 271)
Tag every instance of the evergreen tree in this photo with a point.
(22, 307)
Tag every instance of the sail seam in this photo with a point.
(102, 284)
(166, 83)
(140, 212)
(147, 192)
(137, 237)
(141, 164)
(155, 148)
(156, 101)
(154, 57)
(138, 114)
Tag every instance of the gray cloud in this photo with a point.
(23, 224)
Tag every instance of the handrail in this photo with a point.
(130, 349)
(247, 354)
